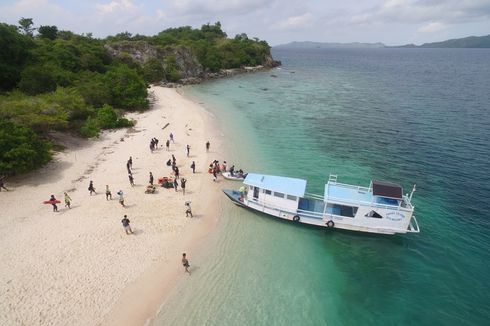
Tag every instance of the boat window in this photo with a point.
(291, 197)
(373, 214)
(279, 194)
(268, 192)
(342, 210)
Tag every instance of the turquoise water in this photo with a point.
(405, 115)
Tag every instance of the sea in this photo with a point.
(409, 116)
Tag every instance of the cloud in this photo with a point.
(433, 27)
(425, 11)
(205, 7)
(294, 22)
(115, 5)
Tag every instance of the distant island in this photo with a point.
(466, 42)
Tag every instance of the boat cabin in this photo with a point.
(275, 191)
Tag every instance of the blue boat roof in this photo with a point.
(289, 186)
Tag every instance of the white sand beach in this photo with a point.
(77, 266)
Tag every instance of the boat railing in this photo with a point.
(366, 203)
(314, 196)
(414, 228)
(312, 214)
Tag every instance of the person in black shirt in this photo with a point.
(125, 223)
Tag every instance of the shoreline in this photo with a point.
(77, 265)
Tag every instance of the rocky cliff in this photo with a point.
(183, 60)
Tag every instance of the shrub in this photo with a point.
(21, 150)
(90, 128)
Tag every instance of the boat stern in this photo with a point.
(234, 195)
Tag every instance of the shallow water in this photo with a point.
(405, 115)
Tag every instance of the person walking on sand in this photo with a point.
(167, 145)
(67, 200)
(193, 167)
(207, 146)
(2, 183)
(53, 202)
(177, 172)
(182, 185)
(131, 180)
(121, 197)
(125, 222)
(185, 263)
(108, 194)
(130, 161)
(188, 148)
(91, 188)
(128, 166)
(176, 185)
(172, 137)
(188, 210)
(151, 178)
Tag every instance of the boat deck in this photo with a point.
(354, 194)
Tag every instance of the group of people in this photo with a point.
(153, 144)
(129, 166)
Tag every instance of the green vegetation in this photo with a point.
(55, 80)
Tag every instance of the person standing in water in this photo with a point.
(67, 200)
(185, 263)
(193, 167)
(207, 146)
(53, 202)
(151, 179)
(91, 188)
(108, 194)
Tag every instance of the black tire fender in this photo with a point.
(330, 224)
(296, 218)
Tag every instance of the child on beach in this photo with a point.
(125, 222)
(67, 201)
(185, 263)
(188, 210)
(121, 197)
(53, 202)
(108, 194)
(91, 188)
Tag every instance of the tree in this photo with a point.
(127, 87)
(14, 50)
(21, 150)
(25, 25)
(49, 32)
(37, 79)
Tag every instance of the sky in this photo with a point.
(393, 22)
